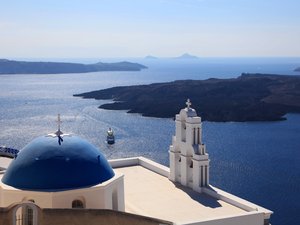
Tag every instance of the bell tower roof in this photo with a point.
(188, 111)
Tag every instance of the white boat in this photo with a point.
(110, 138)
(8, 152)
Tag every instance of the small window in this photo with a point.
(77, 204)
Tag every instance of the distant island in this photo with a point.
(187, 56)
(150, 57)
(297, 69)
(22, 67)
(250, 97)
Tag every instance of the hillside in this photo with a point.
(22, 67)
(250, 97)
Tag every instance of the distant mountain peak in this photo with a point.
(187, 56)
(150, 57)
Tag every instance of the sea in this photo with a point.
(258, 161)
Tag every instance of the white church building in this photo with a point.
(61, 171)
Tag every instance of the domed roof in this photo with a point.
(50, 164)
(188, 111)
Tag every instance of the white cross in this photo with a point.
(188, 103)
(58, 121)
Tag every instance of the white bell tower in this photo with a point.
(189, 162)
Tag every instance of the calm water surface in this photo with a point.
(258, 161)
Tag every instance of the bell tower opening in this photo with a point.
(183, 131)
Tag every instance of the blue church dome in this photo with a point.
(50, 164)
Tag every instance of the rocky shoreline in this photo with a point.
(249, 97)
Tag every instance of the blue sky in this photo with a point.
(136, 28)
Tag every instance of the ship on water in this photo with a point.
(110, 138)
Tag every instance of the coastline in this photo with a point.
(250, 97)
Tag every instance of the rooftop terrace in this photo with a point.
(149, 192)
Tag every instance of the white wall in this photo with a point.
(95, 197)
(251, 219)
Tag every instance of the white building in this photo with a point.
(64, 171)
(189, 163)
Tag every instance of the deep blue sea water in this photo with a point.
(258, 161)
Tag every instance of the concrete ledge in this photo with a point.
(141, 161)
(236, 201)
(155, 167)
(116, 163)
(252, 218)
